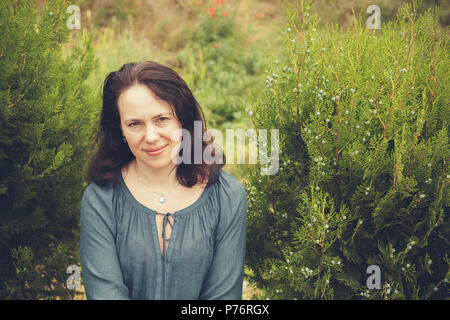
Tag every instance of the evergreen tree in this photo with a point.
(46, 114)
(364, 148)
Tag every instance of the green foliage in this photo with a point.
(46, 116)
(220, 66)
(364, 149)
(120, 11)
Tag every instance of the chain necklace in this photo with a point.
(162, 197)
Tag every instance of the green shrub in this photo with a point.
(220, 66)
(364, 148)
(46, 118)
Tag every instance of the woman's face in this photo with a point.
(147, 124)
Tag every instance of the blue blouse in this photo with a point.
(120, 251)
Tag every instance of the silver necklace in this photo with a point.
(162, 197)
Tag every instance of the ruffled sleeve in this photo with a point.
(101, 272)
(224, 279)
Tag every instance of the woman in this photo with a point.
(152, 228)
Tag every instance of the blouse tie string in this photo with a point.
(165, 221)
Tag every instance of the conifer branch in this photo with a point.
(430, 292)
(23, 94)
(411, 40)
(272, 203)
(338, 120)
(443, 176)
(375, 105)
(412, 150)
(322, 254)
(394, 86)
(357, 43)
(295, 169)
(432, 67)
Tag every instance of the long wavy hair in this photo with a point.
(109, 153)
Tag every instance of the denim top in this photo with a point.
(120, 251)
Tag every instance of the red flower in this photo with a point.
(197, 2)
(218, 2)
(259, 15)
(212, 12)
(226, 13)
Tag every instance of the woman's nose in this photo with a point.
(151, 135)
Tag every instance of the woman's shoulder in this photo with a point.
(231, 186)
(98, 192)
(233, 200)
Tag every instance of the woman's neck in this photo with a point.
(162, 179)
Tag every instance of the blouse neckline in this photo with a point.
(139, 205)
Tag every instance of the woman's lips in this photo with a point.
(156, 151)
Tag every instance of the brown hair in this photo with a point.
(113, 153)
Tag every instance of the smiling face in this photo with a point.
(147, 124)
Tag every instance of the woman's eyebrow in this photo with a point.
(158, 115)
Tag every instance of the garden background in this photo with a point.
(232, 54)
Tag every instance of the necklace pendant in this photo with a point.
(162, 199)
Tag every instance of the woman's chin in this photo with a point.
(158, 163)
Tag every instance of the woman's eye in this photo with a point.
(134, 124)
